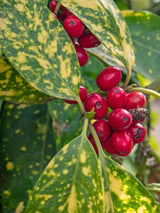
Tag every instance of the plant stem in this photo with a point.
(145, 91)
(128, 76)
(57, 8)
(141, 168)
(81, 107)
(155, 155)
(85, 126)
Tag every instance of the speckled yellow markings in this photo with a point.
(15, 89)
(105, 20)
(39, 48)
(73, 179)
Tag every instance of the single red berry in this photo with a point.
(90, 138)
(116, 98)
(137, 132)
(107, 145)
(122, 142)
(120, 119)
(73, 26)
(108, 78)
(135, 100)
(102, 128)
(96, 101)
(88, 40)
(52, 5)
(82, 55)
(82, 94)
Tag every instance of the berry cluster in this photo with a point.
(81, 36)
(121, 128)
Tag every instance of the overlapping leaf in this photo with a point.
(105, 20)
(70, 183)
(26, 146)
(145, 30)
(15, 89)
(39, 48)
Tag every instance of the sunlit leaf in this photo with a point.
(145, 30)
(15, 89)
(104, 19)
(70, 183)
(26, 146)
(39, 48)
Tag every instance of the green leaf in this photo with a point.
(105, 21)
(145, 31)
(127, 194)
(26, 146)
(15, 89)
(39, 48)
(70, 183)
(66, 121)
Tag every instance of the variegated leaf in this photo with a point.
(70, 183)
(145, 30)
(15, 89)
(26, 146)
(39, 48)
(126, 193)
(104, 19)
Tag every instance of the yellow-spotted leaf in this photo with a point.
(126, 193)
(26, 146)
(104, 19)
(70, 183)
(39, 48)
(145, 30)
(14, 88)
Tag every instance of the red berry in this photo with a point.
(107, 145)
(82, 55)
(137, 132)
(116, 98)
(102, 128)
(82, 94)
(120, 119)
(73, 26)
(88, 40)
(90, 138)
(96, 101)
(135, 100)
(108, 78)
(122, 142)
(53, 5)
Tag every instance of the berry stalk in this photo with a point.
(145, 91)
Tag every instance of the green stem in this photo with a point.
(85, 126)
(155, 155)
(145, 91)
(128, 76)
(81, 107)
(141, 168)
(57, 8)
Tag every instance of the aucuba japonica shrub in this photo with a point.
(75, 115)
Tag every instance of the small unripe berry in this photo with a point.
(135, 100)
(96, 101)
(102, 128)
(122, 142)
(88, 40)
(82, 55)
(137, 132)
(120, 119)
(116, 98)
(108, 78)
(73, 26)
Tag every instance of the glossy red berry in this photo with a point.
(88, 40)
(137, 132)
(122, 142)
(135, 100)
(90, 138)
(107, 145)
(97, 102)
(120, 119)
(73, 26)
(82, 94)
(102, 128)
(116, 98)
(52, 5)
(82, 55)
(108, 78)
